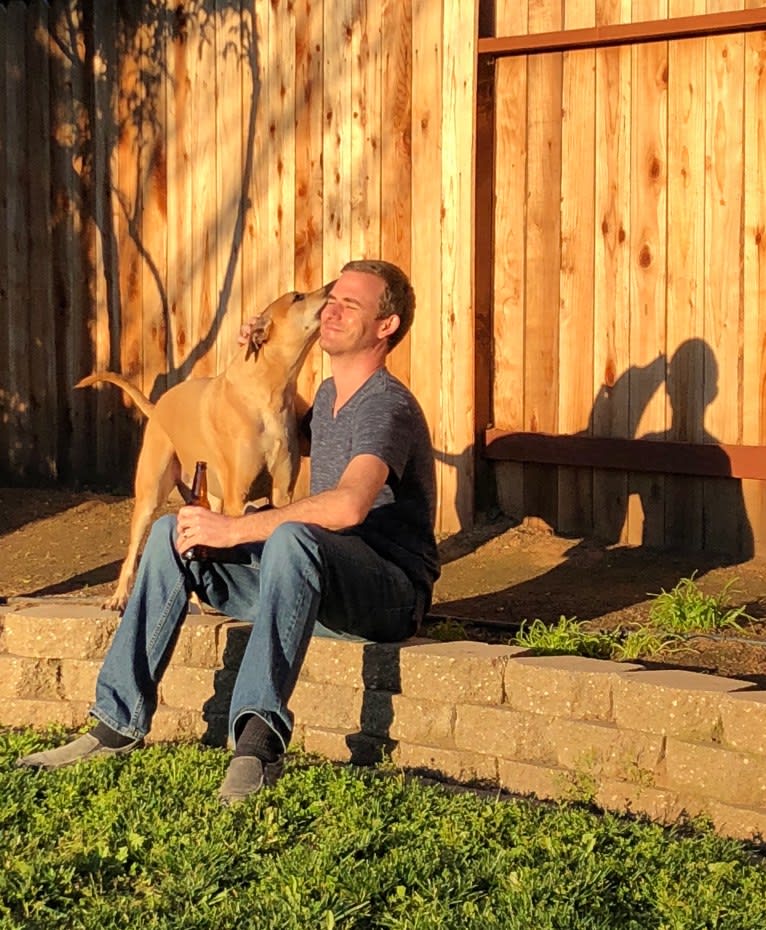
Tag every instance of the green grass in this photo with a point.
(141, 842)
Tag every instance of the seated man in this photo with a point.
(358, 555)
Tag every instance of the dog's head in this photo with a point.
(291, 322)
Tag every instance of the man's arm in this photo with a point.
(345, 505)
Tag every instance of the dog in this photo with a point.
(240, 422)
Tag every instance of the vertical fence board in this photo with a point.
(646, 502)
(457, 133)
(281, 148)
(612, 279)
(308, 183)
(543, 252)
(509, 266)
(131, 163)
(365, 130)
(396, 155)
(229, 177)
(18, 252)
(152, 220)
(754, 271)
(5, 316)
(686, 272)
(723, 285)
(575, 485)
(180, 201)
(204, 239)
(71, 171)
(41, 360)
(427, 66)
(106, 255)
(337, 152)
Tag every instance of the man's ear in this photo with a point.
(258, 335)
(389, 325)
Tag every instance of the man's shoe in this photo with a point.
(245, 776)
(83, 748)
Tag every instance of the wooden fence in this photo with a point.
(171, 167)
(628, 267)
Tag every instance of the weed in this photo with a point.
(686, 609)
(641, 642)
(448, 631)
(567, 637)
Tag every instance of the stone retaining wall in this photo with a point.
(659, 743)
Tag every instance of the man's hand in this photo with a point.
(246, 330)
(198, 526)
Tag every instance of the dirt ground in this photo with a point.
(65, 544)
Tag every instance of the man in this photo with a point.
(357, 556)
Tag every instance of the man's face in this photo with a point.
(349, 320)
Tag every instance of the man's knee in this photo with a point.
(292, 544)
(162, 532)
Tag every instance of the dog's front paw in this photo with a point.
(116, 602)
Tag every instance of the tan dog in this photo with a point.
(239, 422)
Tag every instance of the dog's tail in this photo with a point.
(139, 399)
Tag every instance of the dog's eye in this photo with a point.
(298, 296)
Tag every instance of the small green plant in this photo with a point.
(687, 609)
(567, 637)
(448, 631)
(641, 642)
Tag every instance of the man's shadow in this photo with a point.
(690, 524)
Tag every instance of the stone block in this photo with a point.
(454, 672)
(563, 686)
(185, 687)
(327, 706)
(78, 679)
(503, 732)
(199, 641)
(603, 750)
(524, 778)
(743, 721)
(171, 724)
(712, 772)
(740, 823)
(67, 632)
(18, 712)
(374, 666)
(658, 804)
(343, 746)
(455, 764)
(420, 721)
(672, 702)
(29, 678)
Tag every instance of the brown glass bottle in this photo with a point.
(199, 498)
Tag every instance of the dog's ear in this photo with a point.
(258, 335)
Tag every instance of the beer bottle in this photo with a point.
(199, 498)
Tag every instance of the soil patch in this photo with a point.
(64, 543)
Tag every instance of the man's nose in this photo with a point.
(330, 311)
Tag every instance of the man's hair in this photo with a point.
(397, 298)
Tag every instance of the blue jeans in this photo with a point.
(302, 574)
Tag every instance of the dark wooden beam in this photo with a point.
(637, 455)
(660, 30)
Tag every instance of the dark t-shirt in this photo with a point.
(383, 419)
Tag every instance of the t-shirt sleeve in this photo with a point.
(383, 427)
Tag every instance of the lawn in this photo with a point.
(142, 842)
